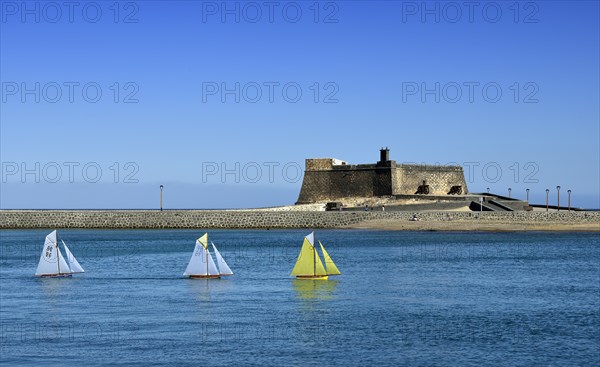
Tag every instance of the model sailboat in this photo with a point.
(53, 264)
(202, 265)
(309, 265)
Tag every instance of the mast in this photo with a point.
(206, 255)
(315, 258)
(314, 262)
(57, 255)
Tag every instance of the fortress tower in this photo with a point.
(330, 179)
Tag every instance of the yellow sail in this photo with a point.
(329, 264)
(204, 240)
(319, 269)
(305, 265)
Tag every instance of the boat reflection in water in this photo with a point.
(208, 291)
(314, 289)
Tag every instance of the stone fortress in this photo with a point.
(394, 186)
(329, 179)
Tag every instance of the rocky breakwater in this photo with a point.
(175, 219)
(263, 219)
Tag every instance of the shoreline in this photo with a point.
(462, 226)
(289, 219)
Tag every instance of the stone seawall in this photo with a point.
(130, 219)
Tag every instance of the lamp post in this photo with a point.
(161, 189)
(488, 189)
(547, 191)
(509, 190)
(569, 199)
(527, 191)
(558, 197)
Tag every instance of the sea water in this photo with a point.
(404, 298)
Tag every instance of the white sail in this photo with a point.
(223, 267)
(73, 263)
(48, 260)
(63, 267)
(197, 264)
(311, 238)
(201, 262)
(212, 268)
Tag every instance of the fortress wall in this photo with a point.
(397, 178)
(383, 182)
(205, 219)
(337, 182)
(319, 186)
(439, 178)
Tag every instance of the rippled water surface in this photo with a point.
(404, 298)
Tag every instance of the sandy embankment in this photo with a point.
(472, 225)
(460, 223)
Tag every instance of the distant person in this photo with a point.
(383, 208)
(367, 208)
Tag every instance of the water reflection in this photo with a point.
(54, 290)
(314, 289)
(205, 290)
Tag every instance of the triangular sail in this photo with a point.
(305, 265)
(212, 268)
(197, 264)
(63, 267)
(204, 240)
(48, 259)
(223, 267)
(73, 263)
(329, 264)
(311, 238)
(319, 268)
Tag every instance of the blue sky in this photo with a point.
(509, 91)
